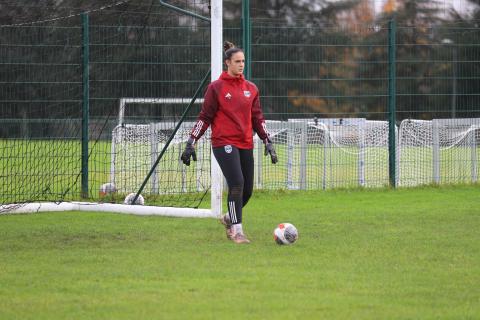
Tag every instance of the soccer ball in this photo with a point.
(129, 199)
(285, 233)
(106, 189)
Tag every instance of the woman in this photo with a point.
(232, 107)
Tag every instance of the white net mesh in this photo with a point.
(327, 153)
(415, 153)
(135, 149)
(438, 151)
(131, 158)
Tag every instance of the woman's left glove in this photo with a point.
(189, 152)
(270, 149)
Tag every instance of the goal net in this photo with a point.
(438, 151)
(136, 147)
(334, 152)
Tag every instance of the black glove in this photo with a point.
(189, 152)
(269, 149)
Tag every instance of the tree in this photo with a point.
(417, 83)
(464, 37)
(290, 56)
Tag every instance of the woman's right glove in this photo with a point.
(270, 149)
(189, 152)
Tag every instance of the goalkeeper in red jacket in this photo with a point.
(232, 108)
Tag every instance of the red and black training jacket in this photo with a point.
(232, 108)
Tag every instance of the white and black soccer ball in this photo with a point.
(285, 233)
(107, 189)
(129, 199)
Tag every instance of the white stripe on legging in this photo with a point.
(233, 213)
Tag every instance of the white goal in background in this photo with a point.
(438, 151)
(135, 149)
(136, 146)
(336, 152)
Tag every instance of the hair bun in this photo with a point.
(228, 45)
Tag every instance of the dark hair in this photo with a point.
(229, 50)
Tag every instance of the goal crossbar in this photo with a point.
(125, 101)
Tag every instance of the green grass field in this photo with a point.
(403, 254)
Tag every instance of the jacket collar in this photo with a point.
(225, 76)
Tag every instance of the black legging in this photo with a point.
(237, 167)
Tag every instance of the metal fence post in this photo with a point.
(391, 102)
(247, 38)
(85, 104)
